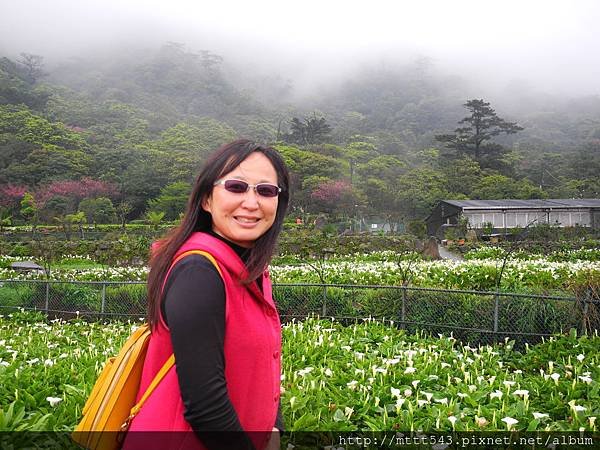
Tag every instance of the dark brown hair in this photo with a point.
(223, 161)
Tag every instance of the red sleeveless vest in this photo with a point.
(252, 361)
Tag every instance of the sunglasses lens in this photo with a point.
(236, 186)
(267, 190)
(239, 187)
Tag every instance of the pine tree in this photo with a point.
(474, 138)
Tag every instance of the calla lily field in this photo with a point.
(368, 375)
(480, 270)
(362, 374)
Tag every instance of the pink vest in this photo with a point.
(252, 361)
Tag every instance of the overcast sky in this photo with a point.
(554, 44)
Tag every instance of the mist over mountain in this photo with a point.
(368, 105)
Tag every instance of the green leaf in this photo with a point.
(573, 333)
(305, 422)
(339, 416)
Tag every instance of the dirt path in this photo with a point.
(445, 254)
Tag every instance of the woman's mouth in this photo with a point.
(246, 220)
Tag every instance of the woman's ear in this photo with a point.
(206, 204)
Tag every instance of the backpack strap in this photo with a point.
(171, 361)
(207, 255)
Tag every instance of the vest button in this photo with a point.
(276, 355)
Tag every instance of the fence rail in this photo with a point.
(472, 316)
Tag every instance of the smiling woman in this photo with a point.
(241, 214)
(215, 311)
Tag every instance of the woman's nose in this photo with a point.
(251, 199)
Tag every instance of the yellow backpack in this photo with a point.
(111, 406)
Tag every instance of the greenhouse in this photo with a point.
(503, 214)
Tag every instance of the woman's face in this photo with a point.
(244, 217)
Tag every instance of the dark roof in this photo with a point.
(526, 204)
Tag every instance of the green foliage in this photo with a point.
(494, 187)
(28, 208)
(309, 163)
(154, 218)
(32, 128)
(191, 143)
(98, 210)
(5, 219)
(418, 191)
(133, 165)
(45, 164)
(55, 206)
(171, 201)
(417, 228)
(156, 116)
(123, 249)
(199, 137)
(16, 88)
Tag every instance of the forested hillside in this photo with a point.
(118, 137)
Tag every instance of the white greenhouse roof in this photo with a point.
(526, 204)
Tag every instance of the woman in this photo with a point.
(221, 324)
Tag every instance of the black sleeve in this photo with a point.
(194, 309)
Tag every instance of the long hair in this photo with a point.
(223, 161)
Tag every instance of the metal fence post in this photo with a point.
(403, 312)
(103, 297)
(584, 318)
(324, 306)
(496, 310)
(584, 314)
(47, 306)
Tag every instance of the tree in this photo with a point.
(148, 166)
(29, 210)
(56, 206)
(418, 191)
(11, 195)
(586, 161)
(495, 187)
(334, 196)
(172, 200)
(77, 219)
(17, 88)
(5, 219)
(33, 65)
(210, 61)
(75, 191)
(98, 210)
(305, 165)
(310, 130)
(123, 209)
(154, 218)
(65, 224)
(462, 174)
(473, 139)
(47, 164)
(191, 143)
(378, 181)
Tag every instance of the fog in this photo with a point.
(545, 46)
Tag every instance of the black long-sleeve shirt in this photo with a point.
(198, 336)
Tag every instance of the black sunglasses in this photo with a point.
(240, 187)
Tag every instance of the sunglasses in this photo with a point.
(240, 187)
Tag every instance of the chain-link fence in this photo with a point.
(471, 316)
(76, 298)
